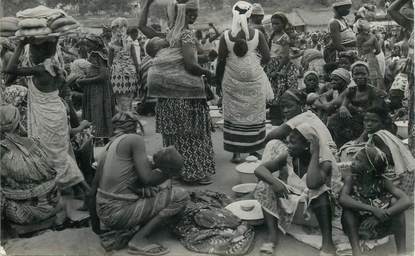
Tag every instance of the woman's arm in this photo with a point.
(134, 57)
(142, 22)
(394, 12)
(12, 67)
(335, 36)
(317, 173)
(279, 133)
(263, 49)
(264, 172)
(102, 76)
(221, 63)
(376, 45)
(217, 34)
(403, 202)
(191, 63)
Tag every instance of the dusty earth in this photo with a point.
(83, 242)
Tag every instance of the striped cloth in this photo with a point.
(241, 138)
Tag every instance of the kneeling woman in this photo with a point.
(367, 199)
(304, 174)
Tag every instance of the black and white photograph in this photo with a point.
(207, 127)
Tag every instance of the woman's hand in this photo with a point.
(280, 188)
(85, 124)
(315, 145)
(344, 113)
(381, 214)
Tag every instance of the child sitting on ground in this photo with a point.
(373, 207)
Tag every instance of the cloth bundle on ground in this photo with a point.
(8, 26)
(206, 227)
(167, 77)
(79, 69)
(27, 181)
(41, 21)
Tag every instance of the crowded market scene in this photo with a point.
(219, 127)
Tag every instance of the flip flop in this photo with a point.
(149, 250)
(267, 249)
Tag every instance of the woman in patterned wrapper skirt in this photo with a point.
(123, 65)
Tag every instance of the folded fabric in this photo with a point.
(32, 23)
(34, 32)
(67, 28)
(40, 12)
(9, 24)
(62, 21)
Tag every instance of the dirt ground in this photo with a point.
(83, 242)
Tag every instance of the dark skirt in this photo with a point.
(186, 124)
(98, 108)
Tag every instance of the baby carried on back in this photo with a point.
(168, 78)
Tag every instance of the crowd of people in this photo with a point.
(332, 98)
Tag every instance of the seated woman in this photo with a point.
(347, 123)
(293, 102)
(401, 164)
(131, 196)
(333, 94)
(305, 174)
(311, 82)
(28, 181)
(372, 206)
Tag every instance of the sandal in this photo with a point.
(205, 181)
(236, 159)
(267, 249)
(149, 250)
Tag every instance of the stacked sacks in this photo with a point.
(8, 26)
(33, 27)
(41, 21)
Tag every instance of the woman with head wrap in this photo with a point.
(311, 82)
(98, 101)
(368, 48)
(341, 34)
(347, 123)
(307, 173)
(123, 65)
(28, 186)
(333, 94)
(373, 207)
(182, 114)
(293, 102)
(242, 50)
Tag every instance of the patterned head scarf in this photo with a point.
(309, 73)
(359, 64)
(125, 122)
(241, 12)
(119, 31)
(343, 74)
(180, 17)
(9, 118)
(363, 25)
(257, 9)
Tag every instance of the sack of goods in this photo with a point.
(33, 27)
(8, 26)
(64, 24)
(42, 21)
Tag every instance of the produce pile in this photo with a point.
(40, 21)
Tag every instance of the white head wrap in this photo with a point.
(240, 21)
